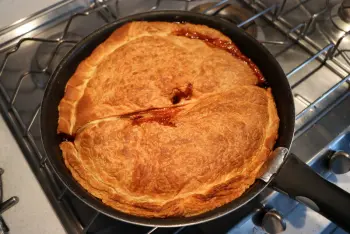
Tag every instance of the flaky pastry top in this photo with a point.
(139, 66)
(166, 124)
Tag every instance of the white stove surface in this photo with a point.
(14, 10)
(33, 213)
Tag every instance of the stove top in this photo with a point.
(5, 205)
(309, 40)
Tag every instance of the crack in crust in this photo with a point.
(215, 146)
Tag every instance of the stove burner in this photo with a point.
(44, 55)
(344, 11)
(232, 13)
(340, 16)
(334, 25)
(5, 205)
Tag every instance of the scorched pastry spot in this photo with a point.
(168, 120)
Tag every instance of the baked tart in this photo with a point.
(168, 120)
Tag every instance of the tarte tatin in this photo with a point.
(168, 120)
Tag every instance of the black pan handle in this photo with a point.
(301, 183)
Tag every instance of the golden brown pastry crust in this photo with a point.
(140, 65)
(202, 153)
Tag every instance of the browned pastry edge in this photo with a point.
(76, 84)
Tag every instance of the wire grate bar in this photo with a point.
(318, 100)
(32, 120)
(222, 2)
(155, 7)
(14, 112)
(346, 57)
(273, 7)
(331, 55)
(18, 86)
(29, 137)
(300, 131)
(60, 196)
(302, 99)
(273, 42)
(26, 74)
(86, 229)
(179, 230)
(299, 3)
(280, 9)
(43, 162)
(300, 66)
(313, 18)
(297, 28)
(152, 230)
(59, 44)
(284, 42)
(4, 93)
(187, 3)
(17, 46)
(105, 12)
(85, 13)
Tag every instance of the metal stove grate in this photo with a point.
(273, 14)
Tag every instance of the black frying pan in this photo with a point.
(293, 178)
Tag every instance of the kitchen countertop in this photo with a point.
(33, 213)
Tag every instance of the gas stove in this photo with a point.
(309, 39)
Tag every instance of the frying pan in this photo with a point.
(286, 172)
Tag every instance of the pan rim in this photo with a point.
(96, 203)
